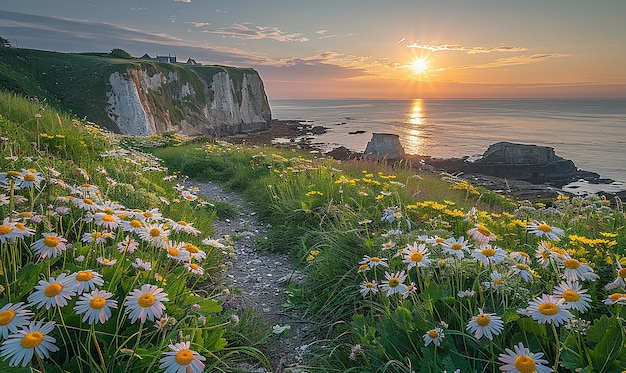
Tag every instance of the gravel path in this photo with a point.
(258, 280)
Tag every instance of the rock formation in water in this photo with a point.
(384, 146)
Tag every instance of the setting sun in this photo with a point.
(419, 66)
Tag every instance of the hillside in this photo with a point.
(137, 96)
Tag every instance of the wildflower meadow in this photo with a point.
(108, 263)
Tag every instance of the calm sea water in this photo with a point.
(592, 133)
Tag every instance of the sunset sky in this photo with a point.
(356, 48)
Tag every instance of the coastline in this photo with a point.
(296, 134)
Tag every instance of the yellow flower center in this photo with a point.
(483, 230)
(570, 296)
(6, 317)
(440, 240)
(29, 177)
(548, 309)
(155, 232)
(393, 282)
(5, 229)
(368, 284)
(525, 364)
(84, 276)
(417, 256)
(488, 251)
(363, 267)
(194, 266)
(20, 226)
(375, 259)
(88, 201)
(183, 223)
(433, 334)
(497, 281)
(483, 319)
(456, 246)
(147, 214)
(108, 211)
(523, 267)
(32, 339)
(571, 263)
(146, 300)
(97, 303)
(622, 273)
(13, 174)
(51, 241)
(105, 260)
(173, 251)
(135, 223)
(53, 290)
(184, 357)
(544, 228)
(617, 297)
(108, 218)
(191, 248)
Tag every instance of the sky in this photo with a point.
(335, 49)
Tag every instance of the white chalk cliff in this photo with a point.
(146, 100)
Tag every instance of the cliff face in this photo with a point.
(140, 97)
(147, 101)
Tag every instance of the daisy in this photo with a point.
(616, 298)
(55, 292)
(50, 246)
(150, 215)
(415, 255)
(394, 283)
(86, 280)
(213, 242)
(485, 324)
(368, 287)
(31, 177)
(108, 221)
(154, 234)
(456, 246)
(96, 306)
(374, 261)
(32, 340)
(496, 278)
(13, 317)
(128, 245)
(481, 234)
(87, 204)
(574, 295)
(523, 361)
(183, 226)
(620, 281)
(520, 257)
(433, 335)
(95, 237)
(132, 226)
(575, 271)
(388, 245)
(487, 254)
(549, 309)
(146, 302)
(140, 264)
(182, 360)
(195, 252)
(410, 289)
(194, 268)
(541, 229)
(175, 251)
(7, 231)
(544, 253)
(523, 270)
(106, 262)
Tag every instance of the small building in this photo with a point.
(167, 59)
(191, 61)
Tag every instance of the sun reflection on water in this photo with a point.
(414, 141)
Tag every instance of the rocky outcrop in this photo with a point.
(148, 100)
(384, 146)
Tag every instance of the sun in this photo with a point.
(419, 66)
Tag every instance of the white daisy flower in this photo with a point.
(96, 306)
(182, 359)
(183, 226)
(549, 309)
(175, 251)
(415, 255)
(456, 247)
(488, 254)
(86, 280)
(541, 229)
(213, 242)
(194, 268)
(496, 279)
(394, 283)
(140, 264)
(522, 270)
(485, 324)
(434, 336)
(374, 261)
(13, 317)
(523, 361)
(154, 234)
(520, 257)
(616, 298)
(576, 271)
(106, 262)
(128, 245)
(620, 280)
(52, 293)
(574, 294)
(146, 302)
(132, 226)
(481, 234)
(108, 221)
(32, 340)
(544, 253)
(50, 245)
(368, 287)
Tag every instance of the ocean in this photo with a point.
(592, 133)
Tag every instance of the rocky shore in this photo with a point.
(520, 171)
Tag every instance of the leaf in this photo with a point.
(606, 338)
(27, 279)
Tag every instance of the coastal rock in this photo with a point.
(532, 163)
(384, 146)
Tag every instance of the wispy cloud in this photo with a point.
(198, 24)
(247, 31)
(507, 61)
(468, 50)
(182, 1)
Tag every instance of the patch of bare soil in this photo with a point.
(258, 281)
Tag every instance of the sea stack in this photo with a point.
(384, 146)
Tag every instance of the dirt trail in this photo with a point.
(258, 280)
